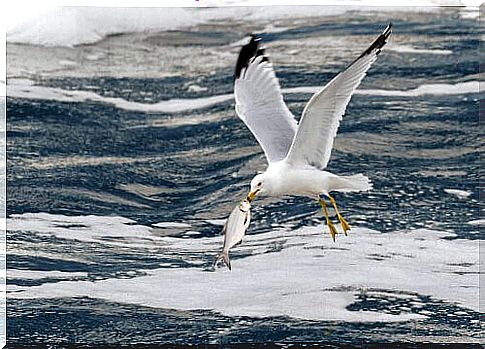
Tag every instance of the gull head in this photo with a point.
(257, 186)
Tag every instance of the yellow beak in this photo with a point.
(252, 195)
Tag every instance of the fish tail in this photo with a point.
(224, 256)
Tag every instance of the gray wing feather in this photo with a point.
(260, 105)
(321, 117)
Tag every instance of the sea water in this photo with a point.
(125, 156)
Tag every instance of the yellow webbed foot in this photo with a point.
(331, 227)
(343, 222)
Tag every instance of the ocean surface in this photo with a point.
(125, 156)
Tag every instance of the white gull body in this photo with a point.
(297, 154)
(281, 179)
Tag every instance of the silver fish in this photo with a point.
(234, 229)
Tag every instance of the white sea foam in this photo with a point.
(422, 90)
(458, 192)
(471, 12)
(171, 225)
(196, 88)
(42, 274)
(307, 276)
(460, 88)
(94, 56)
(20, 90)
(70, 26)
(413, 50)
(67, 63)
(477, 222)
(220, 222)
(26, 89)
(81, 228)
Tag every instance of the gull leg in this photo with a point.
(343, 223)
(331, 227)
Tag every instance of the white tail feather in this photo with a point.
(357, 182)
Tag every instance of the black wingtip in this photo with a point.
(380, 41)
(387, 32)
(248, 51)
(377, 44)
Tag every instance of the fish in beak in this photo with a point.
(234, 230)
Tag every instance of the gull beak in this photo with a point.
(252, 195)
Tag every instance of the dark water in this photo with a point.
(92, 158)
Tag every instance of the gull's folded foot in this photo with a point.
(343, 222)
(331, 227)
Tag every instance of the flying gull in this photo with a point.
(298, 153)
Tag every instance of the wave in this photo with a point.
(460, 88)
(26, 89)
(42, 274)
(477, 222)
(458, 192)
(71, 26)
(422, 90)
(410, 49)
(307, 276)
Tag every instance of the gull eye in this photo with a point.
(259, 184)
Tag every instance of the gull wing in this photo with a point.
(259, 102)
(321, 117)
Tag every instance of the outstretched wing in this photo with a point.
(318, 126)
(259, 103)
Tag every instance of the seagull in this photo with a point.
(298, 153)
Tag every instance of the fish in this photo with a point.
(236, 225)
